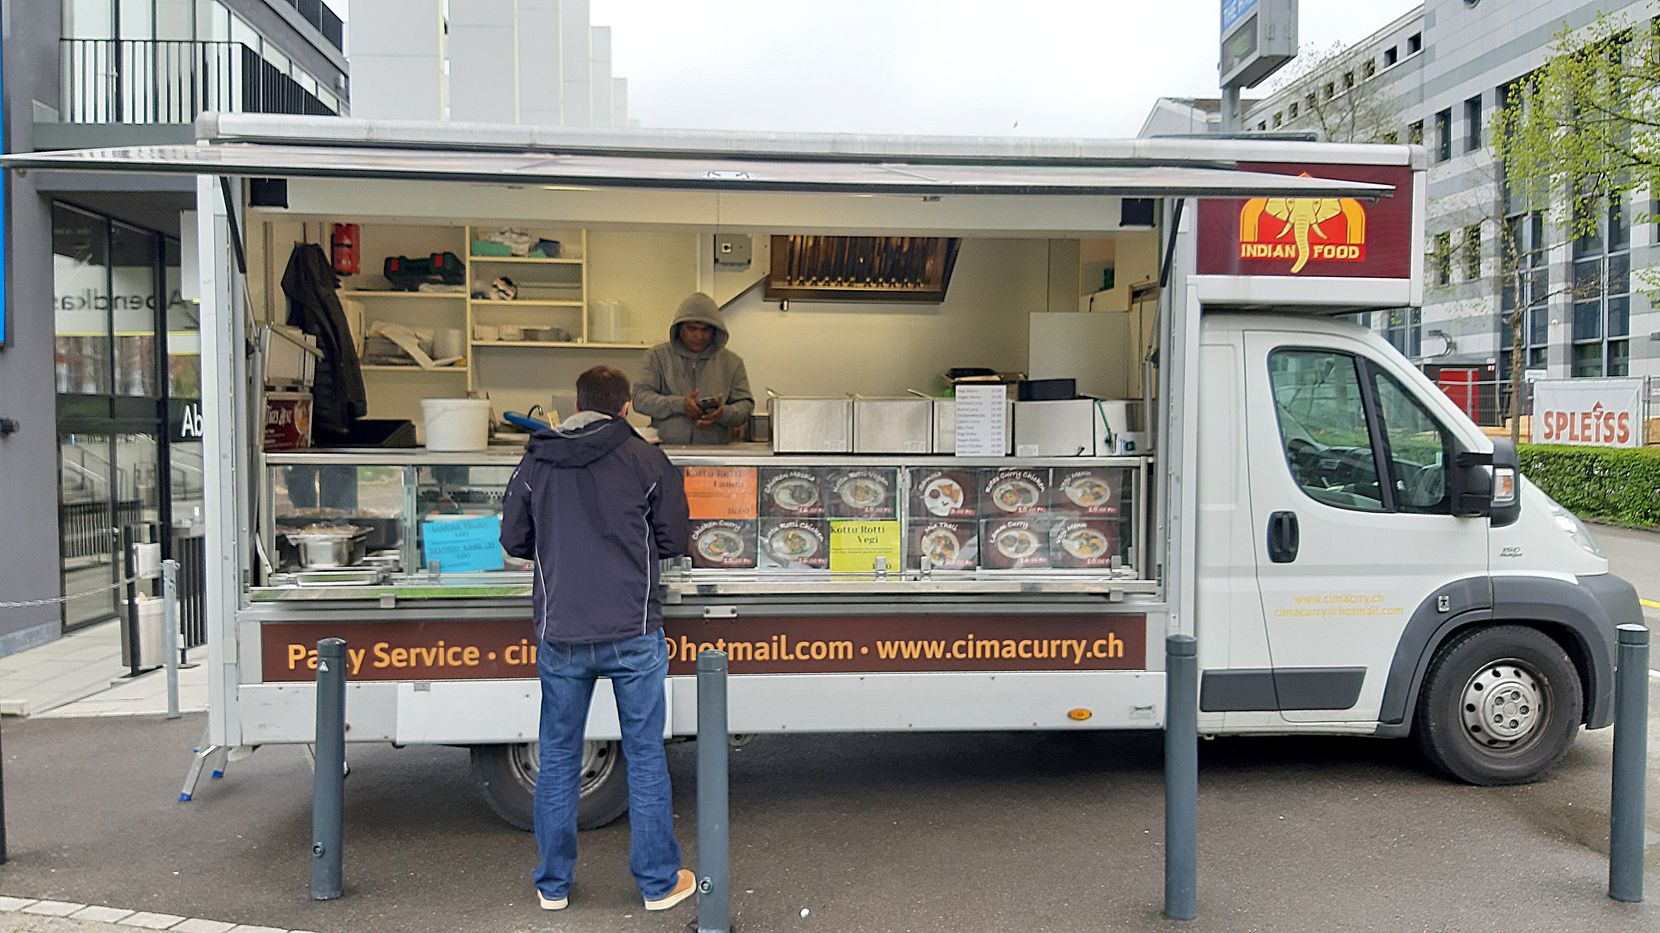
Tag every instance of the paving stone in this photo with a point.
(52, 908)
(149, 921)
(14, 904)
(101, 914)
(198, 925)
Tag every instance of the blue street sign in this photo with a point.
(1234, 10)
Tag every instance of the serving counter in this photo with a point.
(761, 525)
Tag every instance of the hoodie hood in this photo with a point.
(580, 440)
(698, 309)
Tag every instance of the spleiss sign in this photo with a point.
(1588, 412)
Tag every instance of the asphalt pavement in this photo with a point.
(958, 832)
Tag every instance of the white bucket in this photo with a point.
(456, 423)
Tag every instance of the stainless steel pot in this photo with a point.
(331, 546)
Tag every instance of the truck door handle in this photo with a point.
(1283, 537)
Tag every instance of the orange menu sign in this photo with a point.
(720, 492)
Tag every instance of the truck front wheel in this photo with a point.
(1500, 705)
(506, 777)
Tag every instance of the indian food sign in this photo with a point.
(1315, 236)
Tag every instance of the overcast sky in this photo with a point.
(992, 67)
(1027, 67)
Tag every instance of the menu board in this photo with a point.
(794, 544)
(842, 518)
(855, 544)
(720, 492)
(982, 413)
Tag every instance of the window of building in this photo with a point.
(1415, 43)
(1293, 111)
(1369, 70)
(1279, 120)
(1441, 258)
(1404, 329)
(1348, 80)
(1524, 282)
(1472, 252)
(1415, 134)
(1309, 100)
(1601, 296)
(1390, 57)
(1262, 125)
(1472, 123)
(1392, 138)
(1330, 90)
(1443, 135)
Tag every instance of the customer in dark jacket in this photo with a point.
(597, 508)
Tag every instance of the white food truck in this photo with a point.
(1252, 464)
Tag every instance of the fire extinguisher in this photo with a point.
(344, 244)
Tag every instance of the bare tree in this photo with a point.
(1340, 92)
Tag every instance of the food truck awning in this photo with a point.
(690, 171)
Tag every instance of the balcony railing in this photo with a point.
(173, 81)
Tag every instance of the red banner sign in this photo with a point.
(1317, 236)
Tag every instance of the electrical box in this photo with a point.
(732, 249)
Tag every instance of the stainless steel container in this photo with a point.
(330, 547)
(945, 427)
(811, 425)
(893, 425)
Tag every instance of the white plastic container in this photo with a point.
(605, 323)
(456, 423)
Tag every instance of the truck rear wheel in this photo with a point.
(1500, 705)
(506, 777)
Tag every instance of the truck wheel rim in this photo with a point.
(1504, 705)
(599, 759)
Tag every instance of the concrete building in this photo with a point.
(99, 388)
(533, 62)
(1435, 76)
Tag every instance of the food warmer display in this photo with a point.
(417, 524)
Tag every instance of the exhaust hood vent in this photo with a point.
(861, 268)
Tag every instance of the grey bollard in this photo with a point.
(170, 625)
(1181, 777)
(329, 780)
(714, 845)
(1625, 817)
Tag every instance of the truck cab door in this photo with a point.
(1352, 512)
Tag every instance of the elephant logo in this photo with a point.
(1303, 229)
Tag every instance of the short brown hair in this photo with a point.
(602, 389)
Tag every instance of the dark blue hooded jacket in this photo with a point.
(596, 507)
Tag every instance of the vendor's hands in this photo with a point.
(705, 420)
(692, 411)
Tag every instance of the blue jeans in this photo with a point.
(636, 668)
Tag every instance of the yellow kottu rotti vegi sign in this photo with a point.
(855, 544)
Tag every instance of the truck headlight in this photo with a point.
(1570, 523)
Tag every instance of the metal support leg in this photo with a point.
(1181, 777)
(1626, 818)
(204, 754)
(714, 846)
(329, 783)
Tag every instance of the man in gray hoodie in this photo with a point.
(693, 389)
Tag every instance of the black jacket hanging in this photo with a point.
(338, 396)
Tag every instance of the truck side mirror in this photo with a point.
(1485, 484)
(1470, 485)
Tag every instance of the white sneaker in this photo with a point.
(549, 903)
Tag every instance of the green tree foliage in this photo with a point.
(1585, 127)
